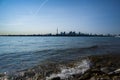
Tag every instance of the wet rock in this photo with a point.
(2, 75)
(114, 73)
(19, 78)
(29, 74)
(92, 78)
(39, 78)
(117, 71)
(116, 78)
(56, 78)
(48, 73)
(76, 75)
(107, 69)
(87, 75)
(104, 68)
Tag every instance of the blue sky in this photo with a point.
(44, 16)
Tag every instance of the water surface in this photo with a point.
(18, 53)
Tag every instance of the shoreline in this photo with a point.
(100, 67)
(58, 36)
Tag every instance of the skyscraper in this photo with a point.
(57, 31)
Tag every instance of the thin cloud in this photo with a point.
(37, 11)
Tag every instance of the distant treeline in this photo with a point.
(71, 33)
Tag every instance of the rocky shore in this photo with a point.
(101, 67)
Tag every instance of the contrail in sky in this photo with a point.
(45, 1)
(25, 19)
(34, 13)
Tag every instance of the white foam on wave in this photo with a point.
(66, 72)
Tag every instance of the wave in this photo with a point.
(41, 56)
(67, 72)
(66, 55)
(67, 50)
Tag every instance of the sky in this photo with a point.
(45, 16)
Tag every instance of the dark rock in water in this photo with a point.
(48, 73)
(2, 75)
(104, 68)
(86, 76)
(39, 77)
(98, 72)
(76, 75)
(56, 78)
(107, 69)
(115, 73)
(29, 74)
(106, 60)
(92, 78)
(116, 78)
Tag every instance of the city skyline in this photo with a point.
(45, 16)
(64, 33)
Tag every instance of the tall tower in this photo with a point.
(57, 31)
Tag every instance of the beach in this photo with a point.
(100, 67)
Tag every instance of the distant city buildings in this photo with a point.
(73, 33)
(70, 33)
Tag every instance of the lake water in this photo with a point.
(18, 53)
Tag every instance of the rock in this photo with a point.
(48, 73)
(29, 74)
(56, 78)
(92, 78)
(2, 75)
(4, 78)
(116, 78)
(85, 76)
(107, 69)
(76, 75)
(117, 71)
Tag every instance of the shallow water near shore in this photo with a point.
(19, 53)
